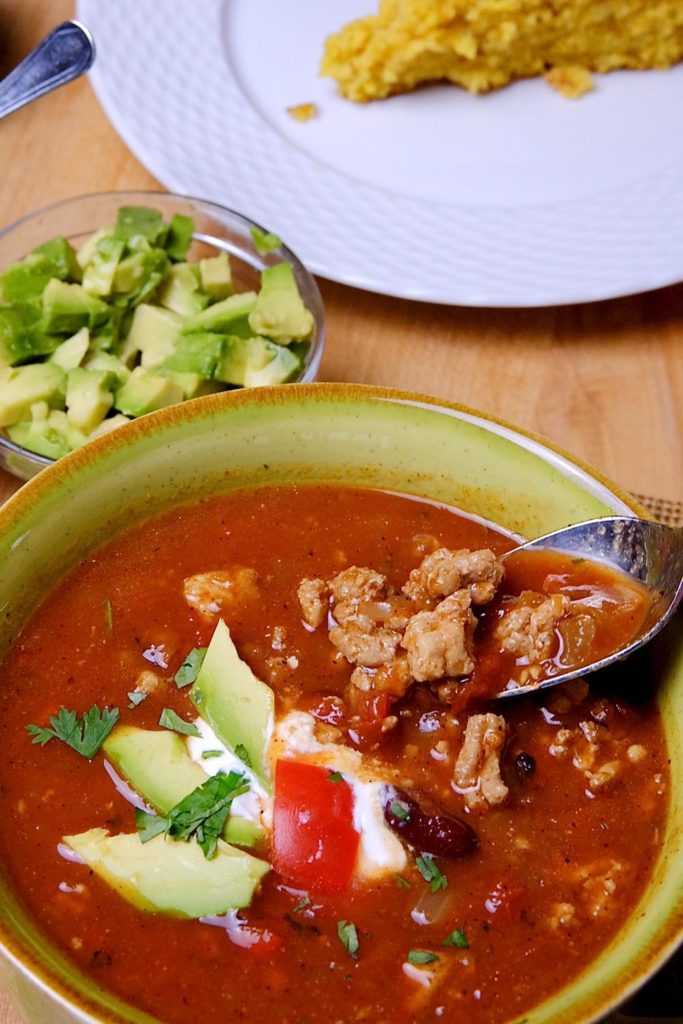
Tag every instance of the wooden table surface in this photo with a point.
(605, 381)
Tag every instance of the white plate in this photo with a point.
(518, 198)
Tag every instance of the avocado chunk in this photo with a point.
(68, 307)
(145, 392)
(268, 363)
(50, 435)
(108, 424)
(238, 706)
(222, 315)
(171, 877)
(72, 352)
(22, 336)
(193, 385)
(197, 353)
(232, 365)
(139, 275)
(154, 332)
(23, 386)
(280, 312)
(215, 276)
(118, 371)
(88, 398)
(98, 277)
(159, 768)
(179, 238)
(180, 292)
(133, 221)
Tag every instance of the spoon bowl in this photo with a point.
(641, 549)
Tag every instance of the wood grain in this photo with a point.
(604, 381)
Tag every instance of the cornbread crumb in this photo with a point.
(571, 81)
(303, 111)
(485, 44)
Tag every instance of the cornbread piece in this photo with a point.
(484, 44)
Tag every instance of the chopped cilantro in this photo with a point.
(399, 810)
(170, 720)
(421, 956)
(189, 670)
(264, 241)
(108, 616)
(335, 777)
(302, 904)
(348, 937)
(457, 938)
(208, 754)
(201, 815)
(426, 865)
(243, 754)
(136, 697)
(402, 883)
(85, 735)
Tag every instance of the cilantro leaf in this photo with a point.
(348, 937)
(208, 754)
(399, 810)
(149, 825)
(427, 867)
(85, 735)
(457, 938)
(243, 754)
(335, 777)
(189, 670)
(421, 956)
(170, 720)
(201, 815)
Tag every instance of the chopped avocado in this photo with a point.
(280, 312)
(68, 307)
(171, 877)
(159, 768)
(154, 332)
(197, 353)
(215, 276)
(222, 315)
(98, 277)
(23, 386)
(88, 398)
(193, 385)
(50, 435)
(268, 363)
(22, 282)
(180, 292)
(133, 221)
(232, 365)
(72, 352)
(179, 237)
(237, 705)
(87, 250)
(21, 335)
(139, 275)
(145, 392)
(58, 259)
(111, 423)
(117, 370)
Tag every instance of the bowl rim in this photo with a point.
(48, 979)
(317, 345)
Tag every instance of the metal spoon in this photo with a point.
(648, 552)
(66, 53)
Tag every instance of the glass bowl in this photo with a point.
(216, 229)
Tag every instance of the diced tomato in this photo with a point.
(371, 708)
(314, 841)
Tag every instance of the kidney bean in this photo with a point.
(437, 834)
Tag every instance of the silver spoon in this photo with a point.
(648, 552)
(66, 53)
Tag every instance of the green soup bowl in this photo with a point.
(325, 433)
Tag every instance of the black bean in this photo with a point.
(525, 765)
(437, 834)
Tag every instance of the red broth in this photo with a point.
(557, 870)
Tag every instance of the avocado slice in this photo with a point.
(68, 307)
(72, 352)
(280, 312)
(232, 365)
(171, 877)
(238, 706)
(180, 292)
(197, 353)
(159, 768)
(117, 370)
(22, 336)
(268, 363)
(215, 276)
(50, 435)
(222, 315)
(98, 276)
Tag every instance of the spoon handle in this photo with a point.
(67, 52)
